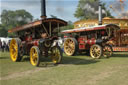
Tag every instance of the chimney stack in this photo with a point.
(100, 13)
(43, 9)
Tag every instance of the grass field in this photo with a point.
(74, 70)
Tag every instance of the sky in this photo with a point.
(63, 9)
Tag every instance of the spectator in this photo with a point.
(3, 46)
(7, 47)
(44, 35)
(0, 45)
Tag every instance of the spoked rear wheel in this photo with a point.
(56, 54)
(107, 51)
(70, 46)
(35, 56)
(96, 51)
(15, 50)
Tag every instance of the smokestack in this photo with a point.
(43, 9)
(100, 13)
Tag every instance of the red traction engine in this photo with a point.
(91, 40)
(38, 40)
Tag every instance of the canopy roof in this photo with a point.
(39, 22)
(83, 29)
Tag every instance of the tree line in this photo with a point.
(11, 19)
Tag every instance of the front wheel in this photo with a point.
(70, 46)
(107, 51)
(35, 56)
(56, 54)
(96, 51)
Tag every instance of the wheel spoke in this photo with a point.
(14, 50)
(95, 51)
(107, 51)
(56, 55)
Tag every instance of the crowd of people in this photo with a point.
(4, 46)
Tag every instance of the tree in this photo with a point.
(11, 19)
(3, 31)
(15, 18)
(88, 9)
(69, 26)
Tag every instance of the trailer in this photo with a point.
(119, 42)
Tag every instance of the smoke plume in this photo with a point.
(120, 8)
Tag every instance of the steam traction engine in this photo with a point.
(90, 39)
(37, 39)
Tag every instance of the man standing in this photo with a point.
(0, 45)
(3, 46)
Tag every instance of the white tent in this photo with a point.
(6, 39)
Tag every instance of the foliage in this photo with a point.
(15, 18)
(3, 31)
(88, 9)
(11, 19)
(69, 26)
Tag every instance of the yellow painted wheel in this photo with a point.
(14, 50)
(96, 51)
(35, 56)
(107, 51)
(70, 46)
(56, 54)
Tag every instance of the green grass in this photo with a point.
(74, 70)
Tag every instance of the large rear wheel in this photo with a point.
(56, 54)
(70, 46)
(15, 50)
(35, 56)
(96, 51)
